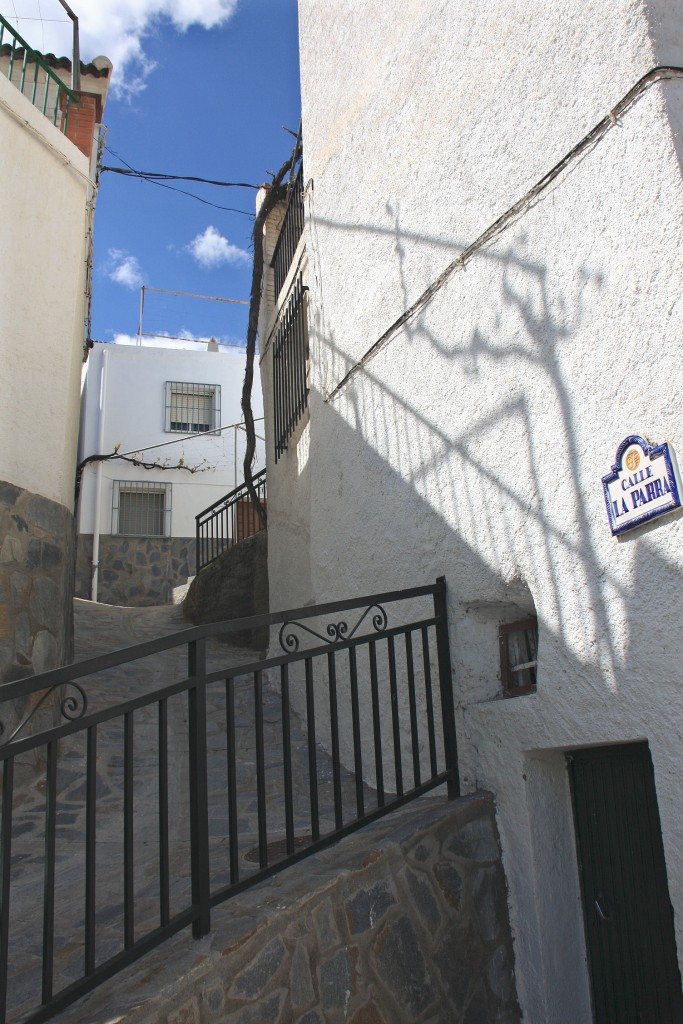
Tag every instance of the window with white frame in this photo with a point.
(192, 408)
(141, 508)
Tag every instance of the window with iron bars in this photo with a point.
(192, 408)
(518, 656)
(290, 367)
(141, 508)
(290, 232)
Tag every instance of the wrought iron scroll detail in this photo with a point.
(72, 707)
(334, 633)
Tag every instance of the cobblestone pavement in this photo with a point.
(100, 629)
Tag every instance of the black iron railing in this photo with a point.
(290, 233)
(311, 743)
(228, 521)
(290, 368)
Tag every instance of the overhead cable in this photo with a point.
(141, 176)
(159, 176)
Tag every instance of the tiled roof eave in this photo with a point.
(54, 62)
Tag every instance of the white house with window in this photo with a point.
(172, 419)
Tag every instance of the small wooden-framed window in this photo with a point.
(518, 642)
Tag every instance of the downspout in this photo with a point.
(98, 481)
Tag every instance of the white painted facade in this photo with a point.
(472, 444)
(132, 415)
(44, 192)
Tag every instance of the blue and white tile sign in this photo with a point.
(643, 484)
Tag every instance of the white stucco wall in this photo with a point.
(43, 195)
(134, 418)
(474, 443)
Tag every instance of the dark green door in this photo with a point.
(627, 910)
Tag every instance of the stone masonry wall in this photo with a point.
(36, 587)
(36, 583)
(403, 922)
(135, 571)
(232, 586)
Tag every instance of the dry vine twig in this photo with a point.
(180, 464)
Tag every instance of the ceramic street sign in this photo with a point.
(643, 484)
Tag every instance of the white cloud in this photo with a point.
(211, 250)
(124, 269)
(117, 29)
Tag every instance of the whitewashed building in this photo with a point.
(48, 144)
(174, 419)
(491, 280)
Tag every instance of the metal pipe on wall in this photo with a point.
(98, 481)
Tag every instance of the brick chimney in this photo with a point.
(84, 116)
(81, 120)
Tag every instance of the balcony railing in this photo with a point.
(228, 521)
(290, 367)
(290, 233)
(26, 69)
(181, 798)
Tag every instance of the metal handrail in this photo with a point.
(353, 668)
(29, 54)
(230, 495)
(221, 525)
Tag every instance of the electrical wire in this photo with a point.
(159, 176)
(152, 179)
(177, 440)
(42, 27)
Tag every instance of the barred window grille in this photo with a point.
(141, 508)
(192, 408)
(518, 656)
(290, 232)
(290, 367)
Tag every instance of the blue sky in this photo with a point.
(190, 99)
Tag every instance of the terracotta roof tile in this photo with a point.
(55, 62)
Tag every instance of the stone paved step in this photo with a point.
(403, 922)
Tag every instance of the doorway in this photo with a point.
(627, 911)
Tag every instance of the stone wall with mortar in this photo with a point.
(36, 583)
(135, 571)
(403, 922)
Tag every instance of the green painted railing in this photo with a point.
(56, 97)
